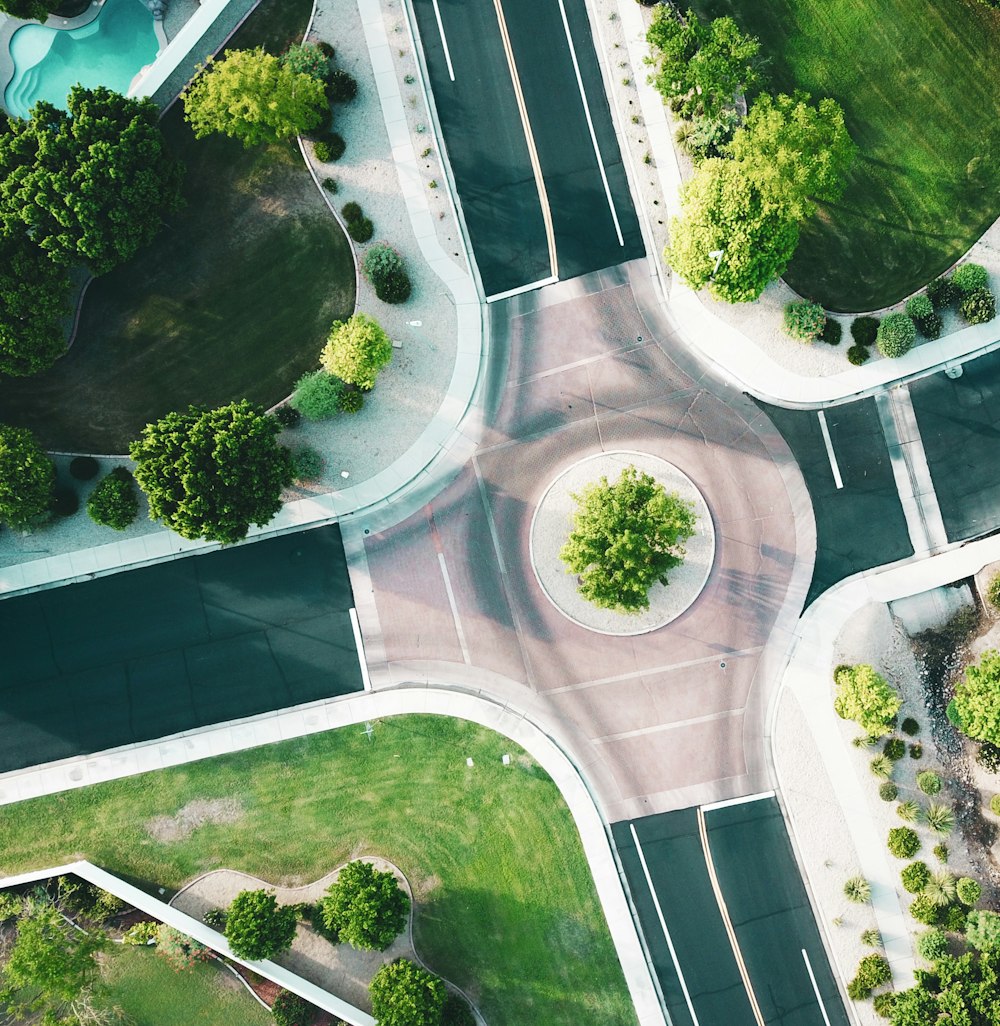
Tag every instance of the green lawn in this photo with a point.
(234, 298)
(153, 994)
(506, 906)
(919, 85)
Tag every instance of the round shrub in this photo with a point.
(114, 502)
(932, 944)
(804, 320)
(988, 756)
(366, 906)
(915, 877)
(894, 749)
(833, 331)
(385, 269)
(352, 400)
(360, 230)
(258, 927)
(291, 1010)
(84, 468)
(926, 911)
(942, 293)
(916, 750)
(287, 416)
(64, 502)
(970, 278)
(330, 185)
(929, 782)
(978, 307)
(457, 1012)
(919, 306)
(351, 211)
(888, 791)
(955, 918)
(896, 335)
(317, 395)
(857, 355)
(341, 86)
(402, 993)
(864, 331)
(307, 463)
(930, 326)
(968, 890)
(910, 727)
(995, 804)
(903, 842)
(322, 152)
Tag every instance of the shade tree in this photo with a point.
(863, 695)
(357, 350)
(365, 906)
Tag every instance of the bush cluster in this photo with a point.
(896, 335)
(307, 60)
(65, 501)
(873, 971)
(114, 502)
(932, 944)
(804, 320)
(942, 293)
(359, 227)
(385, 269)
(287, 416)
(988, 756)
(141, 933)
(903, 842)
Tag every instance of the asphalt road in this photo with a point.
(489, 150)
(959, 423)
(859, 525)
(140, 655)
(767, 906)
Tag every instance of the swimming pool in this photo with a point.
(110, 51)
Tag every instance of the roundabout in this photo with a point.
(552, 522)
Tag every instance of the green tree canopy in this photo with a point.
(357, 350)
(257, 927)
(91, 183)
(864, 696)
(213, 473)
(983, 929)
(977, 699)
(626, 536)
(34, 300)
(403, 994)
(366, 907)
(794, 152)
(705, 65)
(29, 10)
(724, 211)
(253, 96)
(962, 990)
(26, 477)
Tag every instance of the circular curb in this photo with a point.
(550, 527)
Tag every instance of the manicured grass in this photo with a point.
(234, 298)
(506, 905)
(151, 993)
(919, 86)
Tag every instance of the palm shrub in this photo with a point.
(939, 818)
(858, 890)
(928, 782)
(942, 292)
(915, 877)
(881, 766)
(970, 278)
(864, 330)
(873, 971)
(114, 502)
(940, 888)
(864, 740)
(916, 750)
(804, 320)
(968, 890)
(896, 335)
(908, 811)
(385, 269)
(941, 852)
(884, 1003)
(871, 938)
(352, 400)
(978, 307)
(317, 395)
(932, 944)
(903, 842)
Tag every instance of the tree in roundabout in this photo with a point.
(366, 907)
(212, 473)
(626, 537)
(403, 994)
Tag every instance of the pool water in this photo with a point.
(110, 51)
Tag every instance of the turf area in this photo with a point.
(918, 84)
(506, 906)
(234, 298)
(151, 993)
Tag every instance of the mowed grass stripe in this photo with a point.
(506, 905)
(917, 80)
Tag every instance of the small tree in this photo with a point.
(357, 350)
(864, 696)
(253, 96)
(366, 908)
(626, 536)
(114, 502)
(211, 474)
(403, 994)
(977, 699)
(27, 476)
(257, 927)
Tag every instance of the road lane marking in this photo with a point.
(673, 725)
(444, 40)
(727, 921)
(837, 480)
(360, 646)
(663, 923)
(812, 980)
(738, 801)
(590, 126)
(522, 288)
(454, 610)
(536, 166)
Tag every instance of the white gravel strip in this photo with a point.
(553, 521)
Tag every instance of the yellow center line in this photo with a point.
(727, 921)
(536, 167)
